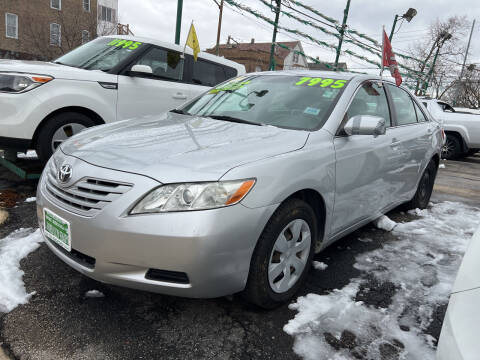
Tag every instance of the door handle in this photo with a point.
(180, 96)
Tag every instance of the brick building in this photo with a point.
(45, 29)
(256, 56)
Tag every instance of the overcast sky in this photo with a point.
(156, 18)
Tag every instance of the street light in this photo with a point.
(409, 15)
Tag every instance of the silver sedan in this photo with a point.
(236, 190)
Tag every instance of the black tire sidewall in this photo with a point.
(417, 201)
(258, 288)
(48, 129)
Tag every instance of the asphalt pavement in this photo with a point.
(60, 322)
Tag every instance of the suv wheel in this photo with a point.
(58, 129)
(425, 188)
(452, 148)
(282, 257)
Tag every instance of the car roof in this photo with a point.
(181, 49)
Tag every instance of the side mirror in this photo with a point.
(365, 125)
(142, 69)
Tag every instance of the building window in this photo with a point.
(56, 4)
(85, 36)
(11, 24)
(86, 5)
(55, 35)
(295, 58)
(106, 14)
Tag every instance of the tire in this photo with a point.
(259, 290)
(452, 148)
(424, 189)
(70, 123)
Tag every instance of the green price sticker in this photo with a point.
(332, 83)
(132, 45)
(230, 86)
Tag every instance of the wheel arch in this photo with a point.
(317, 202)
(78, 109)
(459, 136)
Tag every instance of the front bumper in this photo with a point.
(213, 248)
(459, 337)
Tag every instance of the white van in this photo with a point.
(110, 78)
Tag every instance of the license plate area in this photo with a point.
(57, 229)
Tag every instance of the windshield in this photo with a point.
(287, 101)
(100, 54)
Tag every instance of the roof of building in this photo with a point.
(263, 47)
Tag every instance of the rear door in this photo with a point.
(147, 94)
(411, 136)
(364, 163)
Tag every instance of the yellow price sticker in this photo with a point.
(321, 82)
(131, 45)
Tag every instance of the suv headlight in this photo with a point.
(17, 83)
(193, 196)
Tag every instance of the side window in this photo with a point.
(420, 115)
(370, 100)
(165, 64)
(230, 72)
(207, 74)
(403, 105)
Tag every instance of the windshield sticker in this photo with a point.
(312, 111)
(230, 86)
(132, 45)
(332, 83)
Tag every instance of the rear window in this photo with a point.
(207, 73)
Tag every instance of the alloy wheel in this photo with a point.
(64, 132)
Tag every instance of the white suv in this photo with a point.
(108, 79)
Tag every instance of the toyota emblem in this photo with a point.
(65, 173)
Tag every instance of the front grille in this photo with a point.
(87, 196)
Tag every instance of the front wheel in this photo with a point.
(283, 255)
(425, 188)
(58, 129)
(452, 148)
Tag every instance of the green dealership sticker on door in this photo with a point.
(57, 229)
(132, 45)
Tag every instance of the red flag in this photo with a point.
(389, 59)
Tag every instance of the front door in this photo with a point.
(147, 94)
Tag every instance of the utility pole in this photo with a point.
(393, 28)
(274, 38)
(219, 26)
(444, 36)
(342, 32)
(464, 62)
(179, 21)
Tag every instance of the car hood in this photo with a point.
(180, 148)
(56, 70)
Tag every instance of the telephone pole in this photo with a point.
(342, 32)
(179, 21)
(464, 62)
(274, 38)
(219, 25)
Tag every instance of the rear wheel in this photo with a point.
(58, 129)
(425, 188)
(452, 148)
(283, 255)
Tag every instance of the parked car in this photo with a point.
(462, 128)
(458, 339)
(236, 190)
(110, 78)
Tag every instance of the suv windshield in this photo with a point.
(100, 54)
(294, 102)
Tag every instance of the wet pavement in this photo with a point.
(60, 322)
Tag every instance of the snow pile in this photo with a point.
(384, 223)
(94, 294)
(30, 154)
(318, 265)
(420, 265)
(441, 166)
(31, 199)
(13, 248)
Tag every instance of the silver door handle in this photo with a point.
(180, 96)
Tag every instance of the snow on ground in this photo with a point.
(13, 248)
(318, 265)
(384, 223)
(441, 166)
(31, 199)
(30, 154)
(421, 263)
(94, 294)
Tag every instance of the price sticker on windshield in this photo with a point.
(231, 85)
(321, 82)
(132, 45)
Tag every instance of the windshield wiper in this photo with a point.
(60, 63)
(178, 111)
(233, 119)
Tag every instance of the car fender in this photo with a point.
(459, 129)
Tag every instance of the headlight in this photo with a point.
(19, 83)
(193, 196)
